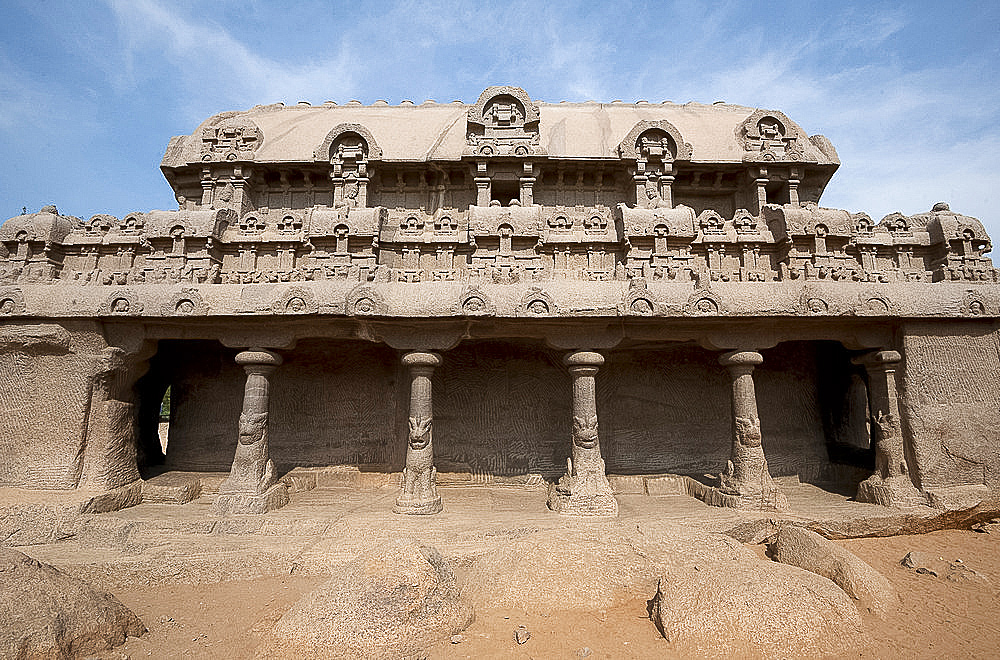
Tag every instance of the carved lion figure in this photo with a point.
(252, 427)
(748, 431)
(585, 432)
(420, 431)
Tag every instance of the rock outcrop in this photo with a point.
(45, 613)
(390, 602)
(806, 549)
(755, 609)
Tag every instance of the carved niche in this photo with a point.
(349, 148)
(11, 302)
(503, 122)
(295, 300)
(235, 138)
(186, 302)
(652, 144)
(121, 303)
(769, 135)
(537, 302)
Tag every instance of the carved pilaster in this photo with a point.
(891, 483)
(761, 184)
(483, 185)
(251, 486)
(746, 482)
(794, 178)
(584, 489)
(667, 185)
(419, 495)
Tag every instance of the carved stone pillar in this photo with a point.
(667, 185)
(891, 484)
(420, 494)
(746, 479)
(584, 489)
(484, 190)
(640, 189)
(251, 487)
(761, 184)
(207, 188)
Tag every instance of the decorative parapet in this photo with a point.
(654, 141)
(233, 139)
(769, 135)
(502, 244)
(503, 122)
(348, 142)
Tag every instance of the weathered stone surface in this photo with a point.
(800, 547)
(171, 488)
(917, 520)
(45, 613)
(755, 609)
(568, 571)
(388, 603)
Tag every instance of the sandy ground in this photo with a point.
(937, 618)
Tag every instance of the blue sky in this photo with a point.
(90, 92)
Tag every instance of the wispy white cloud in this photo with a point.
(215, 65)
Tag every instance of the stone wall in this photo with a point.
(50, 407)
(952, 402)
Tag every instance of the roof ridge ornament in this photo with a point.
(503, 122)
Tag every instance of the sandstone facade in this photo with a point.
(551, 291)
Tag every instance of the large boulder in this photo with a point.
(546, 572)
(45, 613)
(756, 609)
(390, 602)
(806, 549)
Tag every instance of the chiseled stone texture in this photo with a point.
(390, 602)
(46, 614)
(800, 547)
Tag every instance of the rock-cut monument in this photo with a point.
(605, 297)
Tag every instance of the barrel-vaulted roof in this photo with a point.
(717, 133)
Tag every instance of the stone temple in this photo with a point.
(602, 297)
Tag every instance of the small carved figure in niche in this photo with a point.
(120, 306)
(706, 306)
(653, 198)
(474, 304)
(365, 306)
(351, 191)
(976, 308)
(185, 306)
(7, 306)
(642, 306)
(816, 306)
(877, 306)
(538, 306)
(296, 305)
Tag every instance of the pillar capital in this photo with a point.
(422, 359)
(258, 356)
(583, 359)
(879, 359)
(741, 358)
